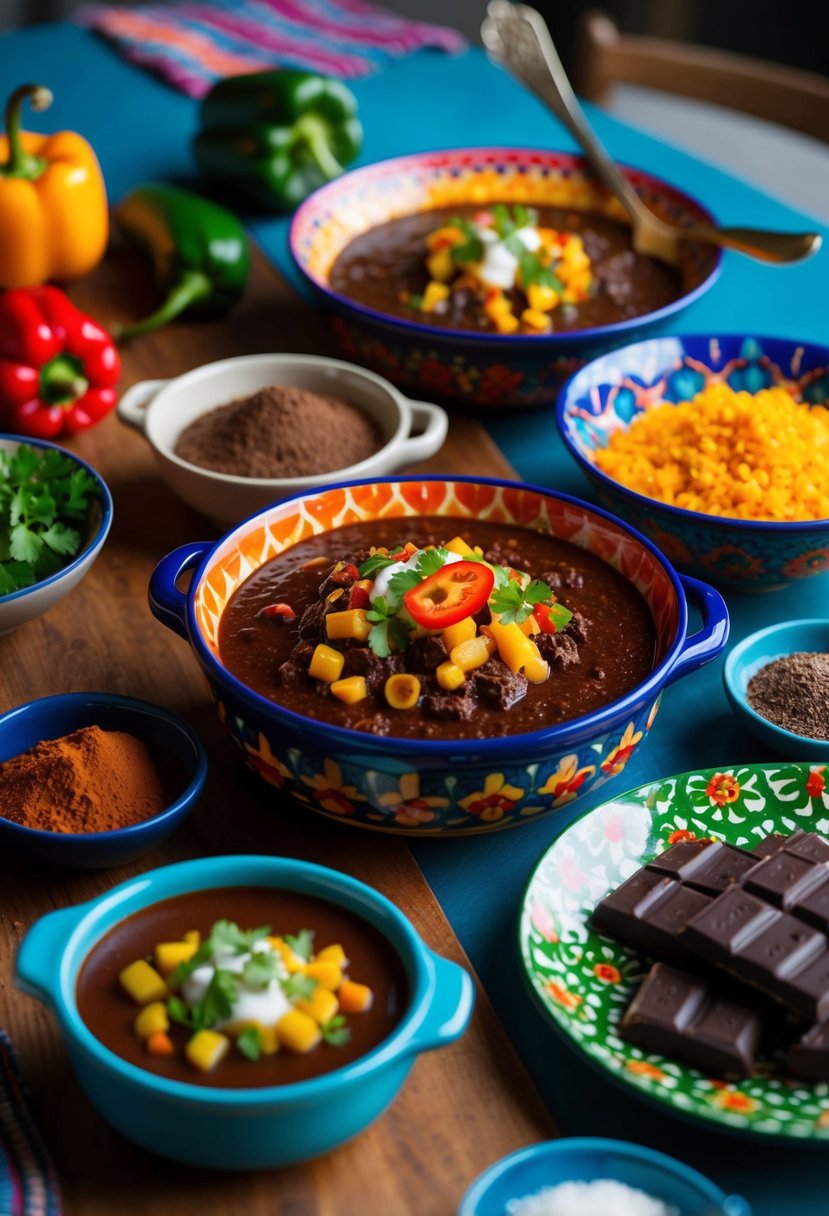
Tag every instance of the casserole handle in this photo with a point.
(167, 603)
(708, 641)
(450, 1008)
(38, 962)
(433, 424)
(133, 404)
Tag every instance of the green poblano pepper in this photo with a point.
(200, 253)
(277, 136)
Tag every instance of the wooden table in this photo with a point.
(462, 1107)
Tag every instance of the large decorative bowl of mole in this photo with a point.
(482, 368)
(609, 393)
(431, 785)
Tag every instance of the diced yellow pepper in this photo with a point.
(536, 669)
(328, 974)
(321, 1006)
(536, 319)
(206, 1049)
(453, 635)
(291, 960)
(497, 305)
(458, 545)
(514, 647)
(450, 676)
(143, 983)
(434, 294)
(440, 265)
(297, 1031)
(351, 690)
(192, 935)
(326, 664)
(334, 595)
(507, 324)
(355, 998)
(472, 653)
(152, 1019)
(529, 626)
(349, 624)
(168, 955)
(402, 691)
(331, 954)
(542, 299)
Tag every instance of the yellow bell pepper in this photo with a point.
(54, 223)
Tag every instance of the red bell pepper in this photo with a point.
(58, 367)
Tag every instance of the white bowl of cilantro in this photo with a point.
(55, 513)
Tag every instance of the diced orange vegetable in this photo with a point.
(160, 1044)
(440, 265)
(434, 294)
(322, 1005)
(291, 960)
(206, 1049)
(168, 955)
(152, 1020)
(473, 653)
(354, 997)
(458, 545)
(514, 647)
(192, 935)
(331, 954)
(450, 676)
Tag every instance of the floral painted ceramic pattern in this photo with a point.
(610, 392)
(496, 369)
(583, 980)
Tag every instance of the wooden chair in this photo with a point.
(605, 57)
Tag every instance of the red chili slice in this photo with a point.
(457, 590)
(283, 612)
(541, 612)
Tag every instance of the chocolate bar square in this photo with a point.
(814, 907)
(709, 866)
(691, 1020)
(650, 911)
(785, 879)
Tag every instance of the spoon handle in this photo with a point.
(516, 36)
(778, 247)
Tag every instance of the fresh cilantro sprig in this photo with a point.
(215, 1006)
(249, 1042)
(534, 271)
(299, 987)
(471, 249)
(378, 561)
(514, 603)
(42, 493)
(302, 944)
(335, 1031)
(225, 937)
(388, 632)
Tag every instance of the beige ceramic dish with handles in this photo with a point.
(162, 409)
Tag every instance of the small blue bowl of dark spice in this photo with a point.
(777, 680)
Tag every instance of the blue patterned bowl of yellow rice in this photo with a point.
(716, 447)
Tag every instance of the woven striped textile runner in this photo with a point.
(191, 45)
(28, 1183)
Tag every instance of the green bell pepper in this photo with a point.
(200, 253)
(277, 136)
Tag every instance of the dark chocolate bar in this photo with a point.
(810, 845)
(706, 865)
(785, 879)
(689, 1019)
(809, 1057)
(649, 911)
(769, 949)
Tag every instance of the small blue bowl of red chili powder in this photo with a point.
(94, 780)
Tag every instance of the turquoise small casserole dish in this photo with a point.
(242, 1129)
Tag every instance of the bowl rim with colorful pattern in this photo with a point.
(502, 746)
(567, 398)
(699, 1101)
(303, 218)
(94, 540)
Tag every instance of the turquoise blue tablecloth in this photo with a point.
(141, 129)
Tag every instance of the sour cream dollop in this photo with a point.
(384, 576)
(253, 1003)
(499, 265)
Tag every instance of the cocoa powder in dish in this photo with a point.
(280, 431)
(793, 692)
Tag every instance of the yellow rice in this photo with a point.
(760, 456)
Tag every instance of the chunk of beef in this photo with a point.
(360, 661)
(496, 686)
(294, 671)
(449, 706)
(425, 654)
(578, 627)
(559, 649)
(311, 622)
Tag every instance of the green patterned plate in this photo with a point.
(583, 981)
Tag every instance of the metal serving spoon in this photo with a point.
(516, 36)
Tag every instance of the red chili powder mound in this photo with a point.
(90, 781)
(280, 432)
